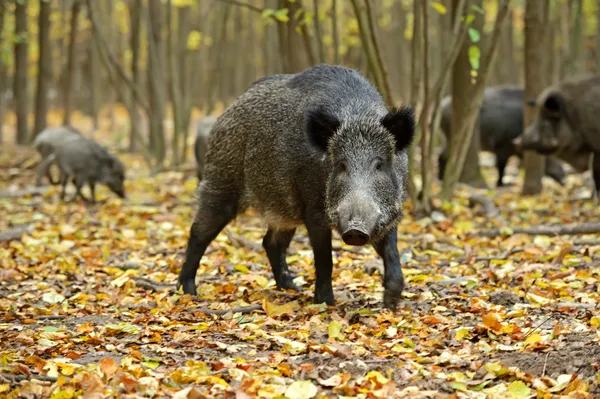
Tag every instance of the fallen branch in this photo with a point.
(558, 229)
(151, 285)
(21, 377)
(239, 240)
(24, 192)
(15, 234)
(243, 309)
(504, 256)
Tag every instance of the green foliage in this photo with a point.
(474, 56)
(473, 35)
(270, 15)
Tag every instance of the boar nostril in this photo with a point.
(355, 237)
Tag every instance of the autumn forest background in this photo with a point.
(503, 283)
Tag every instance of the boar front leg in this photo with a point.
(596, 176)
(320, 240)
(393, 280)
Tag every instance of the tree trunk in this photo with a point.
(424, 120)
(135, 16)
(70, 72)
(296, 58)
(156, 81)
(462, 134)
(462, 94)
(94, 78)
(415, 89)
(335, 33)
(21, 71)
(44, 69)
(597, 37)
(186, 82)
(3, 75)
(534, 84)
(319, 34)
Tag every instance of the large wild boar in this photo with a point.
(317, 148)
(567, 124)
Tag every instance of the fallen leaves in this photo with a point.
(88, 305)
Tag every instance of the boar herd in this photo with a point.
(320, 148)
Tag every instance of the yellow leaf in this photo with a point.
(492, 321)
(536, 299)
(595, 321)
(375, 375)
(439, 7)
(335, 330)
(261, 281)
(273, 310)
(533, 339)
(302, 389)
(241, 268)
(518, 389)
(4, 388)
(461, 333)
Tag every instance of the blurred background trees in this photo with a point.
(162, 62)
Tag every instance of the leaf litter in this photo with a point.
(88, 304)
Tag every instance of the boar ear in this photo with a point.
(554, 105)
(320, 125)
(401, 123)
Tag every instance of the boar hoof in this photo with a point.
(189, 286)
(288, 284)
(326, 297)
(393, 293)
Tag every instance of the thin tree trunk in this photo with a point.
(156, 80)
(21, 70)
(44, 68)
(68, 91)
(425, 133)
(597, 37)
(534, 83)
(335, 33)
(318, 33)
(415, 88)
(174, 86)
(462, 93)
(296, 59)
(462, 136)
(95, 77)
(135, 16)
(3, 75)
(186, 83)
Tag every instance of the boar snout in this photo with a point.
(356, 236)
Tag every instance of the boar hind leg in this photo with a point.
(44, 169)
(216, 209)
(393, 280)
(319, 235)
(501, 162)
(275, 244)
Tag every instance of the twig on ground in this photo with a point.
(52, 317)
(505, 255)
(151, 285)
(576, 305)
(26, 191)
(556, 229)
(239, 240)
(243, 309)
(21, 377)
(15, 234)
(129, 265)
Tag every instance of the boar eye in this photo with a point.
(378, 164)
(342, 166)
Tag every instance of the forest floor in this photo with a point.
(88, 302)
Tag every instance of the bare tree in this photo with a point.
(94, 76)
(462, 93)
(44, 68)
(534, 83)
(462, 135)
(156, 80)
(318, 33)
(335, 33)
(3, 73)
(70, 72)
(21, 70)
(135, 17)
